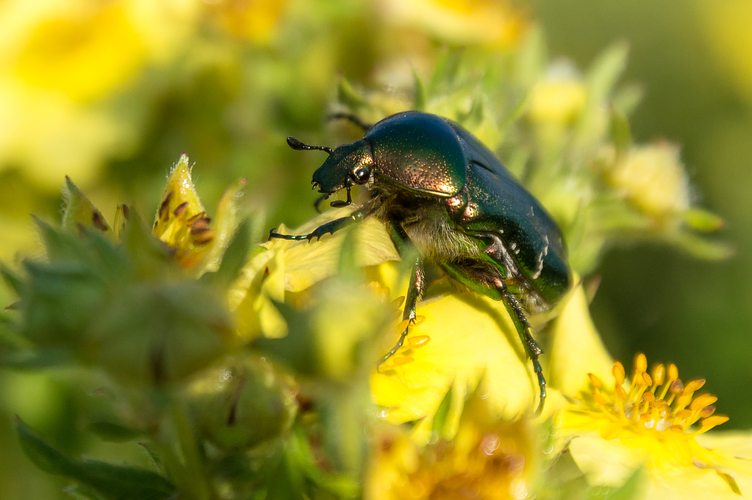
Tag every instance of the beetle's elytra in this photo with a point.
(444, 194)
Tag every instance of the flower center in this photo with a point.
(656, 402)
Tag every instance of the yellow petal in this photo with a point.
(576, 348)
(471, 338)
(604, 462)
(307, 263)
(225, 224)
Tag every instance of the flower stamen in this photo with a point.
(657, 402)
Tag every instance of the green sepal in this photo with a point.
(152, 259)
(112, 482)
(59, 244)
(159, 333)
(703, 220)
(11, 279)
(703, 248)
(59, 302)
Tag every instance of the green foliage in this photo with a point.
(108, 481)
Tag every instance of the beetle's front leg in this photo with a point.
(330, 227)
(407, 250)
(491, 285)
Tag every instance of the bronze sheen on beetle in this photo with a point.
(447, 200)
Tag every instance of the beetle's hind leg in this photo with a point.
(407, 250)
(491, 285)
(352, 119)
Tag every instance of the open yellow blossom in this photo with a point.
(488, 458)
(253, 20)
(489, 22)
(653, 423)
(459, 339)
(59, 60)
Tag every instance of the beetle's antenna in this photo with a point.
(296, 144)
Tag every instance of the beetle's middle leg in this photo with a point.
(330, 227)
(492, 285)
(407, 250)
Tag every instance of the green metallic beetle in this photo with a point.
(445, 194)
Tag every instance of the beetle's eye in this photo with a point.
(361, 174)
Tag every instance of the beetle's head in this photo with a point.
(347, 165)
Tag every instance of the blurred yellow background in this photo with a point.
(112, 92)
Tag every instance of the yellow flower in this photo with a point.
(460, 338)
(488, 458)
(60, 61)
(182, 223)
(294, 266)
(653, 178)
(253, 20)
(488, 22)
(559, 97)
(651, 423)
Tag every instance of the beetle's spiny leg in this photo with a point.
(531, 346)
(330, 227)
(274, 234)
(407, 249)
(337, 204)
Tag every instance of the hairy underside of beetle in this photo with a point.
(440, 241)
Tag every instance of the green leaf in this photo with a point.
(347, 95)
(420, 92)
(621, 135)
(606, 70)
(35, 360)
(298, 349)
(447, 68)
(112, 482)
(438, 425)
(627, 97)
(110, 431)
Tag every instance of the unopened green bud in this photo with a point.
(242, 403)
